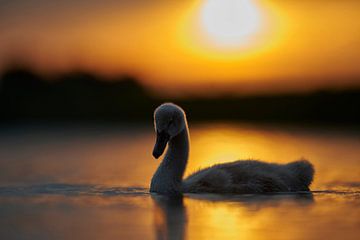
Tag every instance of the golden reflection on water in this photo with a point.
(322, 216)
(122, 157)
(254, 218)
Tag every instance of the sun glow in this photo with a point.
(230, 22)
(228, 31)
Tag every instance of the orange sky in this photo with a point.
(297, 45)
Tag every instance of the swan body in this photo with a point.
(244, 176)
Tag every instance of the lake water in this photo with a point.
(91, 182)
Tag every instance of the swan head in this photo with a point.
(169, 121)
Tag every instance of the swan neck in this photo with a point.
(178, 153)
(168, 177)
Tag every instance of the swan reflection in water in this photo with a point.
(170, 217)
(171, 214)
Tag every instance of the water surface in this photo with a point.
(91, 182)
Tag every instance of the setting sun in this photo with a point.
(200, 47)
(230, 22)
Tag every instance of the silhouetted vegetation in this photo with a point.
(24, 95)
(74, 96)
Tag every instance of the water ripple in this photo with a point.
(70, 190)
(100, 190)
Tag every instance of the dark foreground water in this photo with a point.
(91, 183)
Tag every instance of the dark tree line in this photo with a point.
(25, 95)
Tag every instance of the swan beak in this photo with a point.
(161, 140)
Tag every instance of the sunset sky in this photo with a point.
(209, 46)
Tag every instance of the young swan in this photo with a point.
(248, 176)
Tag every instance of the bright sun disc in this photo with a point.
(230, 22)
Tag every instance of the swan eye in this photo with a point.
(170, 122)
(172, 125)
